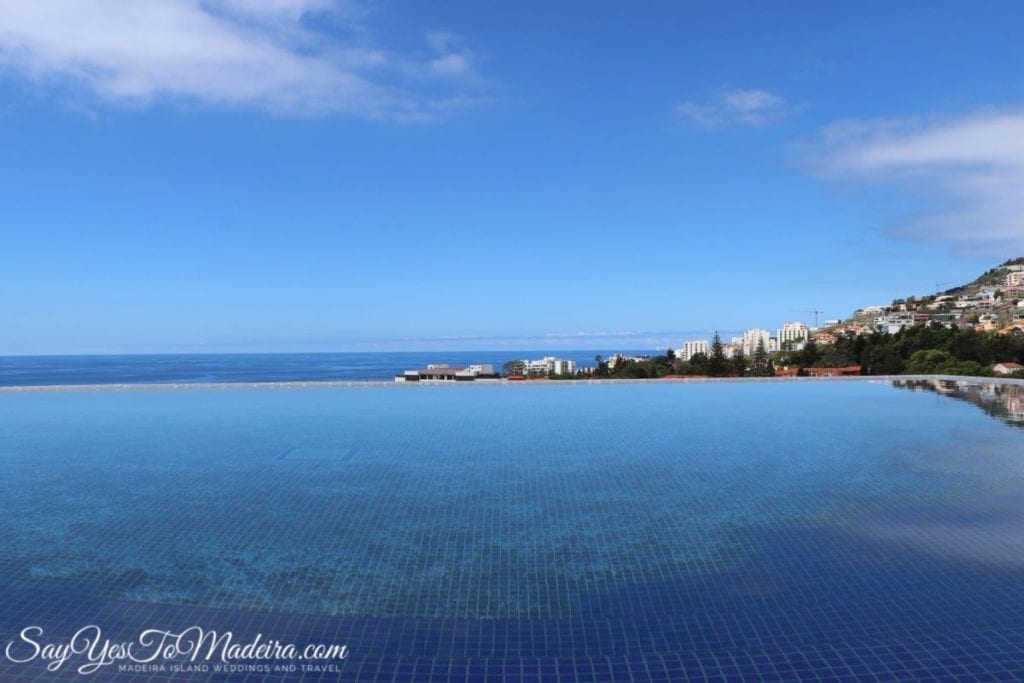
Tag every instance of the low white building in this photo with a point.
(621, 358)
(550, 365)
(894, 322)
(1006, 368)
(870, 310)
(442, 372)
(974, 302)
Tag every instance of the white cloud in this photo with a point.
(746, 101)
(450, 60)
(261, 53)
(734, 107)
(968, 173)
(274, 9)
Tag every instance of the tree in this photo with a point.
(833, 359)
(630, 369)
(762, 364)
(936, 362)
(514, 367)
(738, 362)
(884, 360)
(969, 351)
(697, 365)
(717, 364)
(809, 355)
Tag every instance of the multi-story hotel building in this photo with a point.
(794, 333)
(752, 337)
(691, 348)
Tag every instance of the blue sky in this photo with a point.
(284, 175)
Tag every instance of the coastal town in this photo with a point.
(973, 329)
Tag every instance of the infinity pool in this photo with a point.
(606, 532)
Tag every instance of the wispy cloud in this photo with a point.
(263, 53)
(967, 174)
(734, 108)
(592, 335)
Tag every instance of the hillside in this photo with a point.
(993, 277)
(991, 302)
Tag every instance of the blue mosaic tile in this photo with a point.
(821, 532)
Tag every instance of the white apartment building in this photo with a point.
(691, 348)
(563, 367)
(796, 333)
(536, 367)
(752, 337)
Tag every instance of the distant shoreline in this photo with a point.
(352, 384)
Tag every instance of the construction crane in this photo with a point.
(816, 314)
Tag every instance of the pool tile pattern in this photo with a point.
(442, 540)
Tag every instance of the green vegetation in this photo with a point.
(651, 368)
(935, 362)
(762, 364)
(922, 349)
(995, 276)
(717, 365)
(514, 367)
(738, 363)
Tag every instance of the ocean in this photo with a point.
(251, 367)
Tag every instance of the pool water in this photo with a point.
(648, 531)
